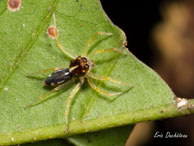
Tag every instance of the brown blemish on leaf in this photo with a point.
(51, 31)
(14, 5)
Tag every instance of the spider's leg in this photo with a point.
(44, 71)
(102, 78)
(85, 50)
(107, 95)
(45, 97)
(99, 51)
(68, 103)
(64, 50)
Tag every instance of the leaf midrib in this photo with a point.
(85, 126)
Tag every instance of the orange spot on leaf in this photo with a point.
(14, 5)
(52, 31)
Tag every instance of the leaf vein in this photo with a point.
(29, 45)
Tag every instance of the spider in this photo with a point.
(79, 68)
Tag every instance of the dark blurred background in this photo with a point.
(161, 34)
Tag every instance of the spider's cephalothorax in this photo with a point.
(79, 66)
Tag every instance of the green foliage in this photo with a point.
(25, 48)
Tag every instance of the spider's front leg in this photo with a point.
(102, 78)
(100, 51)
(64, 50)
(85, 49)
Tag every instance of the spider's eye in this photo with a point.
(84, 59)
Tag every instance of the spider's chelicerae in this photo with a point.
(79, 68)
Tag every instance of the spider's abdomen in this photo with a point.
(58, 77)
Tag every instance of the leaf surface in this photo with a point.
(26, 48)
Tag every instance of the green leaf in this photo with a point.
(26, 48)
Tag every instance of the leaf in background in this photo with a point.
(25, 48)
(115, 136)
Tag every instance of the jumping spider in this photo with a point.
(79, 68)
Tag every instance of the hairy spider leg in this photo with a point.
(64, 50)
(98, 90)
(45, 97)
(68, 104)
(85, 49)
(93, 53)
(102, 78)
